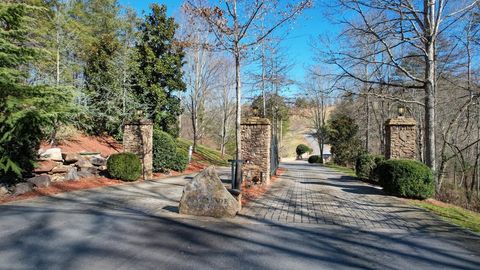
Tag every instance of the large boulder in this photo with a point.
(205, 195)
(40, 181)
(91, 170)
(45, 166)
(83, 163)
(86, 172)
(72, 174)
(22, 188)
(52, 154)
(71, 157)
(61, 169)
(3, 190)
(98, 160)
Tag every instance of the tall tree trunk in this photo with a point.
(238, 91)
(224, 132)
(57, 60)
(195, 99)
(429, 86)
(225, 109)
(264, 96)
(367, 131)
(194, 125)
(57, 78)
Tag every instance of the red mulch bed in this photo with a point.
(94, 182)
(106, 146)
(82, 143)
(253, 192)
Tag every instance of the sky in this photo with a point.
(297, 45)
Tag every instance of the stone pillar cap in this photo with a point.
(401, 121)
(140, 122)
(255, 120)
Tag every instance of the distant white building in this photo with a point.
(327, 155)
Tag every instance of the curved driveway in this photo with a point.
(312, 218)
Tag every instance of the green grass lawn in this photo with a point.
(453, 214)
(209, 155)
(344, 170)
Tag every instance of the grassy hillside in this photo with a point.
(205, 154)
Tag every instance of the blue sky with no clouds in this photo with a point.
(297, 45)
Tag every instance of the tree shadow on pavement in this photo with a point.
(71, 235)
(96, 230)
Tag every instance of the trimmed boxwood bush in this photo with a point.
(164, 151)
(378, 160)
(406, 178)
(366, 164)
(302, 149)
(124, 166)
(314, 159)
(363, 165)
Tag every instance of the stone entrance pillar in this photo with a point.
(256, 135)
(401, 134)
(138, 139)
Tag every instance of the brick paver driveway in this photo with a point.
(312, 218)
(314, 194)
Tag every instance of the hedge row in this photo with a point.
(315, 159)
(366, 164)
(404, 178)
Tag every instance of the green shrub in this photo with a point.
(378, 160)
(315, 159)
(179, 162)
(406, 178)
(302, 149)
(124, 166)
(164, 151)
(366, 164)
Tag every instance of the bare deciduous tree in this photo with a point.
(201, 72)
(407, 31)
(233, 24)
(318, 91)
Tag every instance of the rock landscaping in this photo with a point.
(53, 165)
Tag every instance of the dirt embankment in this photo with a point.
(94, 144)
(105, 145)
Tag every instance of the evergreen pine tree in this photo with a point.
(159, 73)
(25, 110)
(103, 79)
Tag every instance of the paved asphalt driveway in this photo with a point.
(312, 218)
